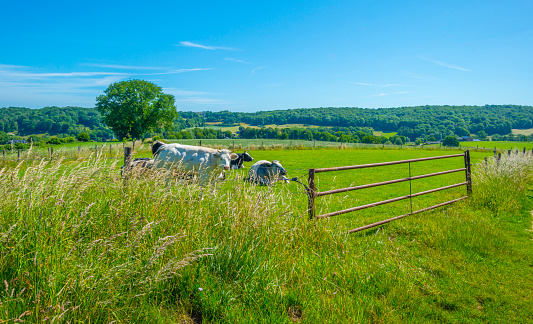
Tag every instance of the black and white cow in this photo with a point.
(139, 164)
(266, 173)
(206, 161)
(243, 157)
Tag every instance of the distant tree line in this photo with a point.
(61, 122)
(412, 122)
(421, 124)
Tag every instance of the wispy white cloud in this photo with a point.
(386, 85)
(446, 65)
(125, 67)
(181, 92)
(389, 94)
(193, 97)
(178, 71)
(212, 48)
(257, 69)
(236, 60)
(418, 76)
(40, 87)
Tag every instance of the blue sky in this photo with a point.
(251, 55)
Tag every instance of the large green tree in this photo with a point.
(134, 107)
(450, 141)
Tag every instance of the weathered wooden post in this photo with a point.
(110, 149)
(18, 155)
(509, 153)
(51, 154)
(486, 160)
(468, 173)
(128, 152)
(4, 154)
(311, 194)
(96, 150)
(200, 143)
(524, 152)
(79, 150)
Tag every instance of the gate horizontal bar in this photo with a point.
(362, 166)
(377, 184)
(349, 210)
(405, 215)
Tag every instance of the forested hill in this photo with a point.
(407, 121)
(53, 120)
(491, 118)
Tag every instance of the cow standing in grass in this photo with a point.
(206, 161)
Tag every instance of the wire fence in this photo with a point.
(112, 150)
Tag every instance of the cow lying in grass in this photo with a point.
(206, 161)
(139, 164)
(266, 173)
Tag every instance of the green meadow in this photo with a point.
(82, 244)
(499, 145)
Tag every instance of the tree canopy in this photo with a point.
(450, 141)
(134, 107)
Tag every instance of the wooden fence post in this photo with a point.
(96, 150)
(128, 152)
(79, 149)
(18, 155)
(200, 143)
(311, 194)
(468, 173)
(51, 154)
(4, 154)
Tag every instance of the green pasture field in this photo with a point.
(82, 244)
(500, 145)
(234, 129)
(387, 135)
(298, 163)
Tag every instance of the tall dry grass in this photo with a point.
(500, 183)
(79, 243)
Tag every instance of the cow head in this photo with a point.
(275, 168)
(224, 157)
(247, 157)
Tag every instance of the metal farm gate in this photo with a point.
(314, 193)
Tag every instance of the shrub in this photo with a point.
(450, 141)
(84, 137)
(55, 141)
